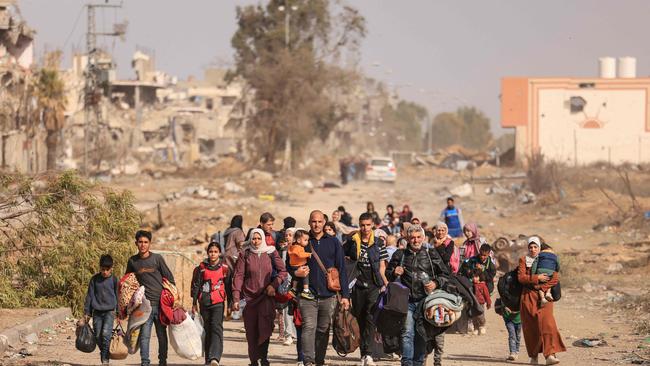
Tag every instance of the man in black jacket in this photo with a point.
(422, 271)
(370, 255)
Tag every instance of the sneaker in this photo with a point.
(300, 363)
(280, 339)
(214, 363)
(288, 341)
(104, 363)
(482, 330)
(552, 360)
(307, 295)
(511, 357)
(475, 332)
(533, 361)
(367, 361)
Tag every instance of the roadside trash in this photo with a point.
(266, 197)
(590, 342)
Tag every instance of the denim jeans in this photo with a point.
(514, 336)
(103, 329)
(316, 317)
(145, 337)
(413, 345)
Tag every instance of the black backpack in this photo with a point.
(510, 289)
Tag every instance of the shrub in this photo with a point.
(55, 228)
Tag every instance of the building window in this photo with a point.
(577, 104)
(228, 100)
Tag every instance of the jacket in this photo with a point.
(351, 249)
(417, 262)
(482, 294)
(489, 269)
(253, 273)
(330, 252)
(234, 239)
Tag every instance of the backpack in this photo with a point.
(212, 290)
(346, 336)
(391, 308)
(510, 289)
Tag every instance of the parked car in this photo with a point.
(381, 169)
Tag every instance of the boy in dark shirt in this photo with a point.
(150, 268)
(101, 304)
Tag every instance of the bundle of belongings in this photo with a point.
(132, 304)
(171, 309)
(442, 309)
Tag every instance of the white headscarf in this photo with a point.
(263, 248)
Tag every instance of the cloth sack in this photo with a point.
(127, 286)
(185, 339)
(117, 349)
(447, 308)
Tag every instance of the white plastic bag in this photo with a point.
(198, 322)
(185, 338)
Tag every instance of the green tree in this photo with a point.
(447, 129)
(296, 81)
(401, 127)
(476, 132)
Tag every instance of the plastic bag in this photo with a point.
(185, 339)
(85, 341)
(117, 349)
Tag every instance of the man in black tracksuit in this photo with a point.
(371, 257)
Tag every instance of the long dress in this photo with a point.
(253, 273)
(540, 330)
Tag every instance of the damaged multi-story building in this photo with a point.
(22, 143)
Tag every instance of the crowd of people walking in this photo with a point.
(300, 278)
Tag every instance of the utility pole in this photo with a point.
(286, 165)
(91, 84)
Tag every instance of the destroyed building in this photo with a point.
(22, 142)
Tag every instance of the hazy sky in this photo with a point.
(438, 53)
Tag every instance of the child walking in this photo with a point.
(546, 263)
(483, 296)
(101, 305)
(298, 258)
(512, 320)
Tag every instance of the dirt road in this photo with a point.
(579, 314)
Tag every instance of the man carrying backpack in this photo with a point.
(370, 255)
(422, 271)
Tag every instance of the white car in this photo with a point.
(381, 169)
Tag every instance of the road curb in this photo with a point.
(35, 325)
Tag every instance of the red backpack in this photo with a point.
(213, 289)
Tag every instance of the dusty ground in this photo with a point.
(13, 317)
(595, 302)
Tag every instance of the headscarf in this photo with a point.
(237, 221)
(473, 244)
(379, 233)
(533, 240)
(263, 248)
(438, 225)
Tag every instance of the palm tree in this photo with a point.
(49, 91)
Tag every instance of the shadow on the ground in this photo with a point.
(487, 359)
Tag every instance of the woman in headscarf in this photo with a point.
(258, 273)
(343, 231)
(445, 246)
(538, 323)
(473, 242)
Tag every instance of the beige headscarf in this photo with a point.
(263, 248)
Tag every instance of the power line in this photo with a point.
(74, 27)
